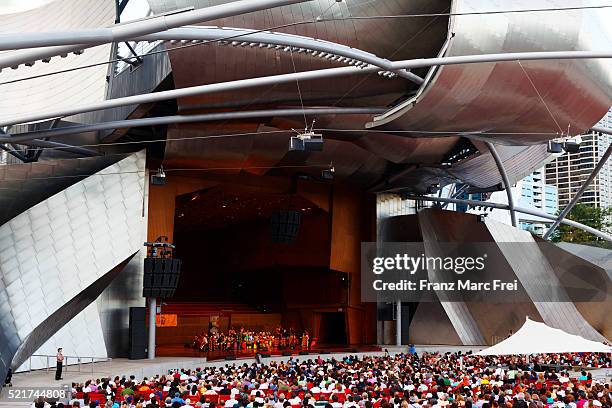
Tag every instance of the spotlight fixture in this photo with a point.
(159, 178)
(433, 189)
(306, 141)
(328, 174)
(555, 147)
(571, 146)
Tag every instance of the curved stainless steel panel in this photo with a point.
(480, 170)
(503, 97)
(455, 98)
(24, 185)
(58, 248)
(394, 39)
(59, 90)
(537, 274)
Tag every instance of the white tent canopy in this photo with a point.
(535, 338)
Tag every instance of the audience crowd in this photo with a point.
(431, 380)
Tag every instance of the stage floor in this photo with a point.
(179, 350)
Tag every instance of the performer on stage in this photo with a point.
(305, 341)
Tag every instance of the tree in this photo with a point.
(598, 218)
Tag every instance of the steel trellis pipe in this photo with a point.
(126, 31)
(580, 192)
(279, 39)
(60, 146)
(475, 203)
(65, 42)
(504, 176)
(164, 120)
(302, 76)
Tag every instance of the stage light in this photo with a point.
(433, 189)
(571, 146)
(328, 174)
(159, 178)
(555, 147)
(296, 144)
(313, 142)
(308, 140)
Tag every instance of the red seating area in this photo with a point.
(342, 396)
(101, 398)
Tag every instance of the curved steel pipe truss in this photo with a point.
(306, 75)
(25, 138)
(283, 42)
(65, 42)
(504, 176)
(541, 214)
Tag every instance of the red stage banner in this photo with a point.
(166, 320)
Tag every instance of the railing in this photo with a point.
(74, 361)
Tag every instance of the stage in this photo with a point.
(179, 350)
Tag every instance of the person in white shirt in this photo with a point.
(350, 403)
(280, 402)
(230, 403)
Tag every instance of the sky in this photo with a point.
(15, 6)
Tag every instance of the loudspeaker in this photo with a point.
(324, 352)
(161, 276)
(158, 180)
(286, 354)
(354, 350)
(285, 226)
(230, 357)
(264, 355)
(137, 334)
(303, 353)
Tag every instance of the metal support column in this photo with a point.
(398, 323)
(504, 175)
(574, 200)
(152, 324)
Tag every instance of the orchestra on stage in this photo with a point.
(251, 340)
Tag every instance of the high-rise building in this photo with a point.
(570, 170)
(531, 192)
(537, 194)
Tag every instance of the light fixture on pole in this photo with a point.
(308, 140)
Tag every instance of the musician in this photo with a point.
(305, 341)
